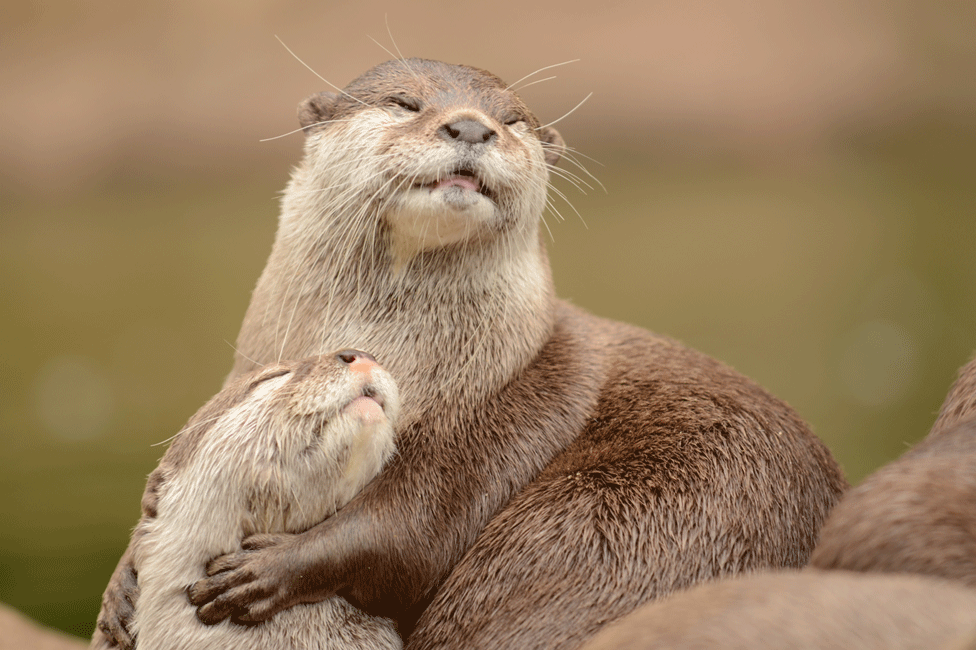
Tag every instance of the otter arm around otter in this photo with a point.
(386, 553)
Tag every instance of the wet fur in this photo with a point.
(555, 469)
(268, 454)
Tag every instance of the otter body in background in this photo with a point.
(277, 450)
(813, 610)
(918, 514)
(555, 470)
(914, 519)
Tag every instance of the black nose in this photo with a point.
(471, 131)
(349, 356)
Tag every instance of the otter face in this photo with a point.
(310, 435)
(446, 153)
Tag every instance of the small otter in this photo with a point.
(917, 514)
(815, 610)
(555, 470)
(278, 450)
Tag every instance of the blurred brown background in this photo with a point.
(790, 187)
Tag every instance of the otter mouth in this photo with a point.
(373, 394)
(368, 404)
(464, 179)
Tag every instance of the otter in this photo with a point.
(811, 609)
(278, 450)
(555, 470)
(917, 514)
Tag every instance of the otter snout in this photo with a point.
(468, 130)
(358, 361)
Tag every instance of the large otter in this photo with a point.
(555, 469)
(277, 450)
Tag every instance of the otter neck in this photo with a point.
(453, 323)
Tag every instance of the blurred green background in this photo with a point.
(790, 187)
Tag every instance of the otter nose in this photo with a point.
(357, 360)
(471, 131)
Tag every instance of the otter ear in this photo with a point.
(316, 109)
(552, 144)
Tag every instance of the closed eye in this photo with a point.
(272, 375)
(263, 378)
(402, 101)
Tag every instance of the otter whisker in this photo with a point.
(532, 83)
(570, 178)
(570, 204)
(303, 128)
(570, 155)
(297, 58)
(238, 351)
(532, 74)
(185, 430)
(403, 60)
(567, 114)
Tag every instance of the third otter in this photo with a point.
(917, 514)
(555, 469)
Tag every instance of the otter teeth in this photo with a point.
(464, 179)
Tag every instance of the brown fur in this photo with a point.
(555, 469)
(918, 514)
(914, 516)
(813, 610)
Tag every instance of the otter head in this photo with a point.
(311, 434)
(440, 155)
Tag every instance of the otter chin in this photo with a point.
(441, 212)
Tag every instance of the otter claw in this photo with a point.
(203, 591)
(222, 564)
(213, 612)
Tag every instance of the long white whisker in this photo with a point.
(570, 155)
(297, 58)
(571, 111)
(383, 47)
(386, 19)
(302, 128)
(569, 203)
(570, 178)
(237, 351)
(186, 430)
(532, 83)
(532, 74)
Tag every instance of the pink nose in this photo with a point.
(358, 361)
